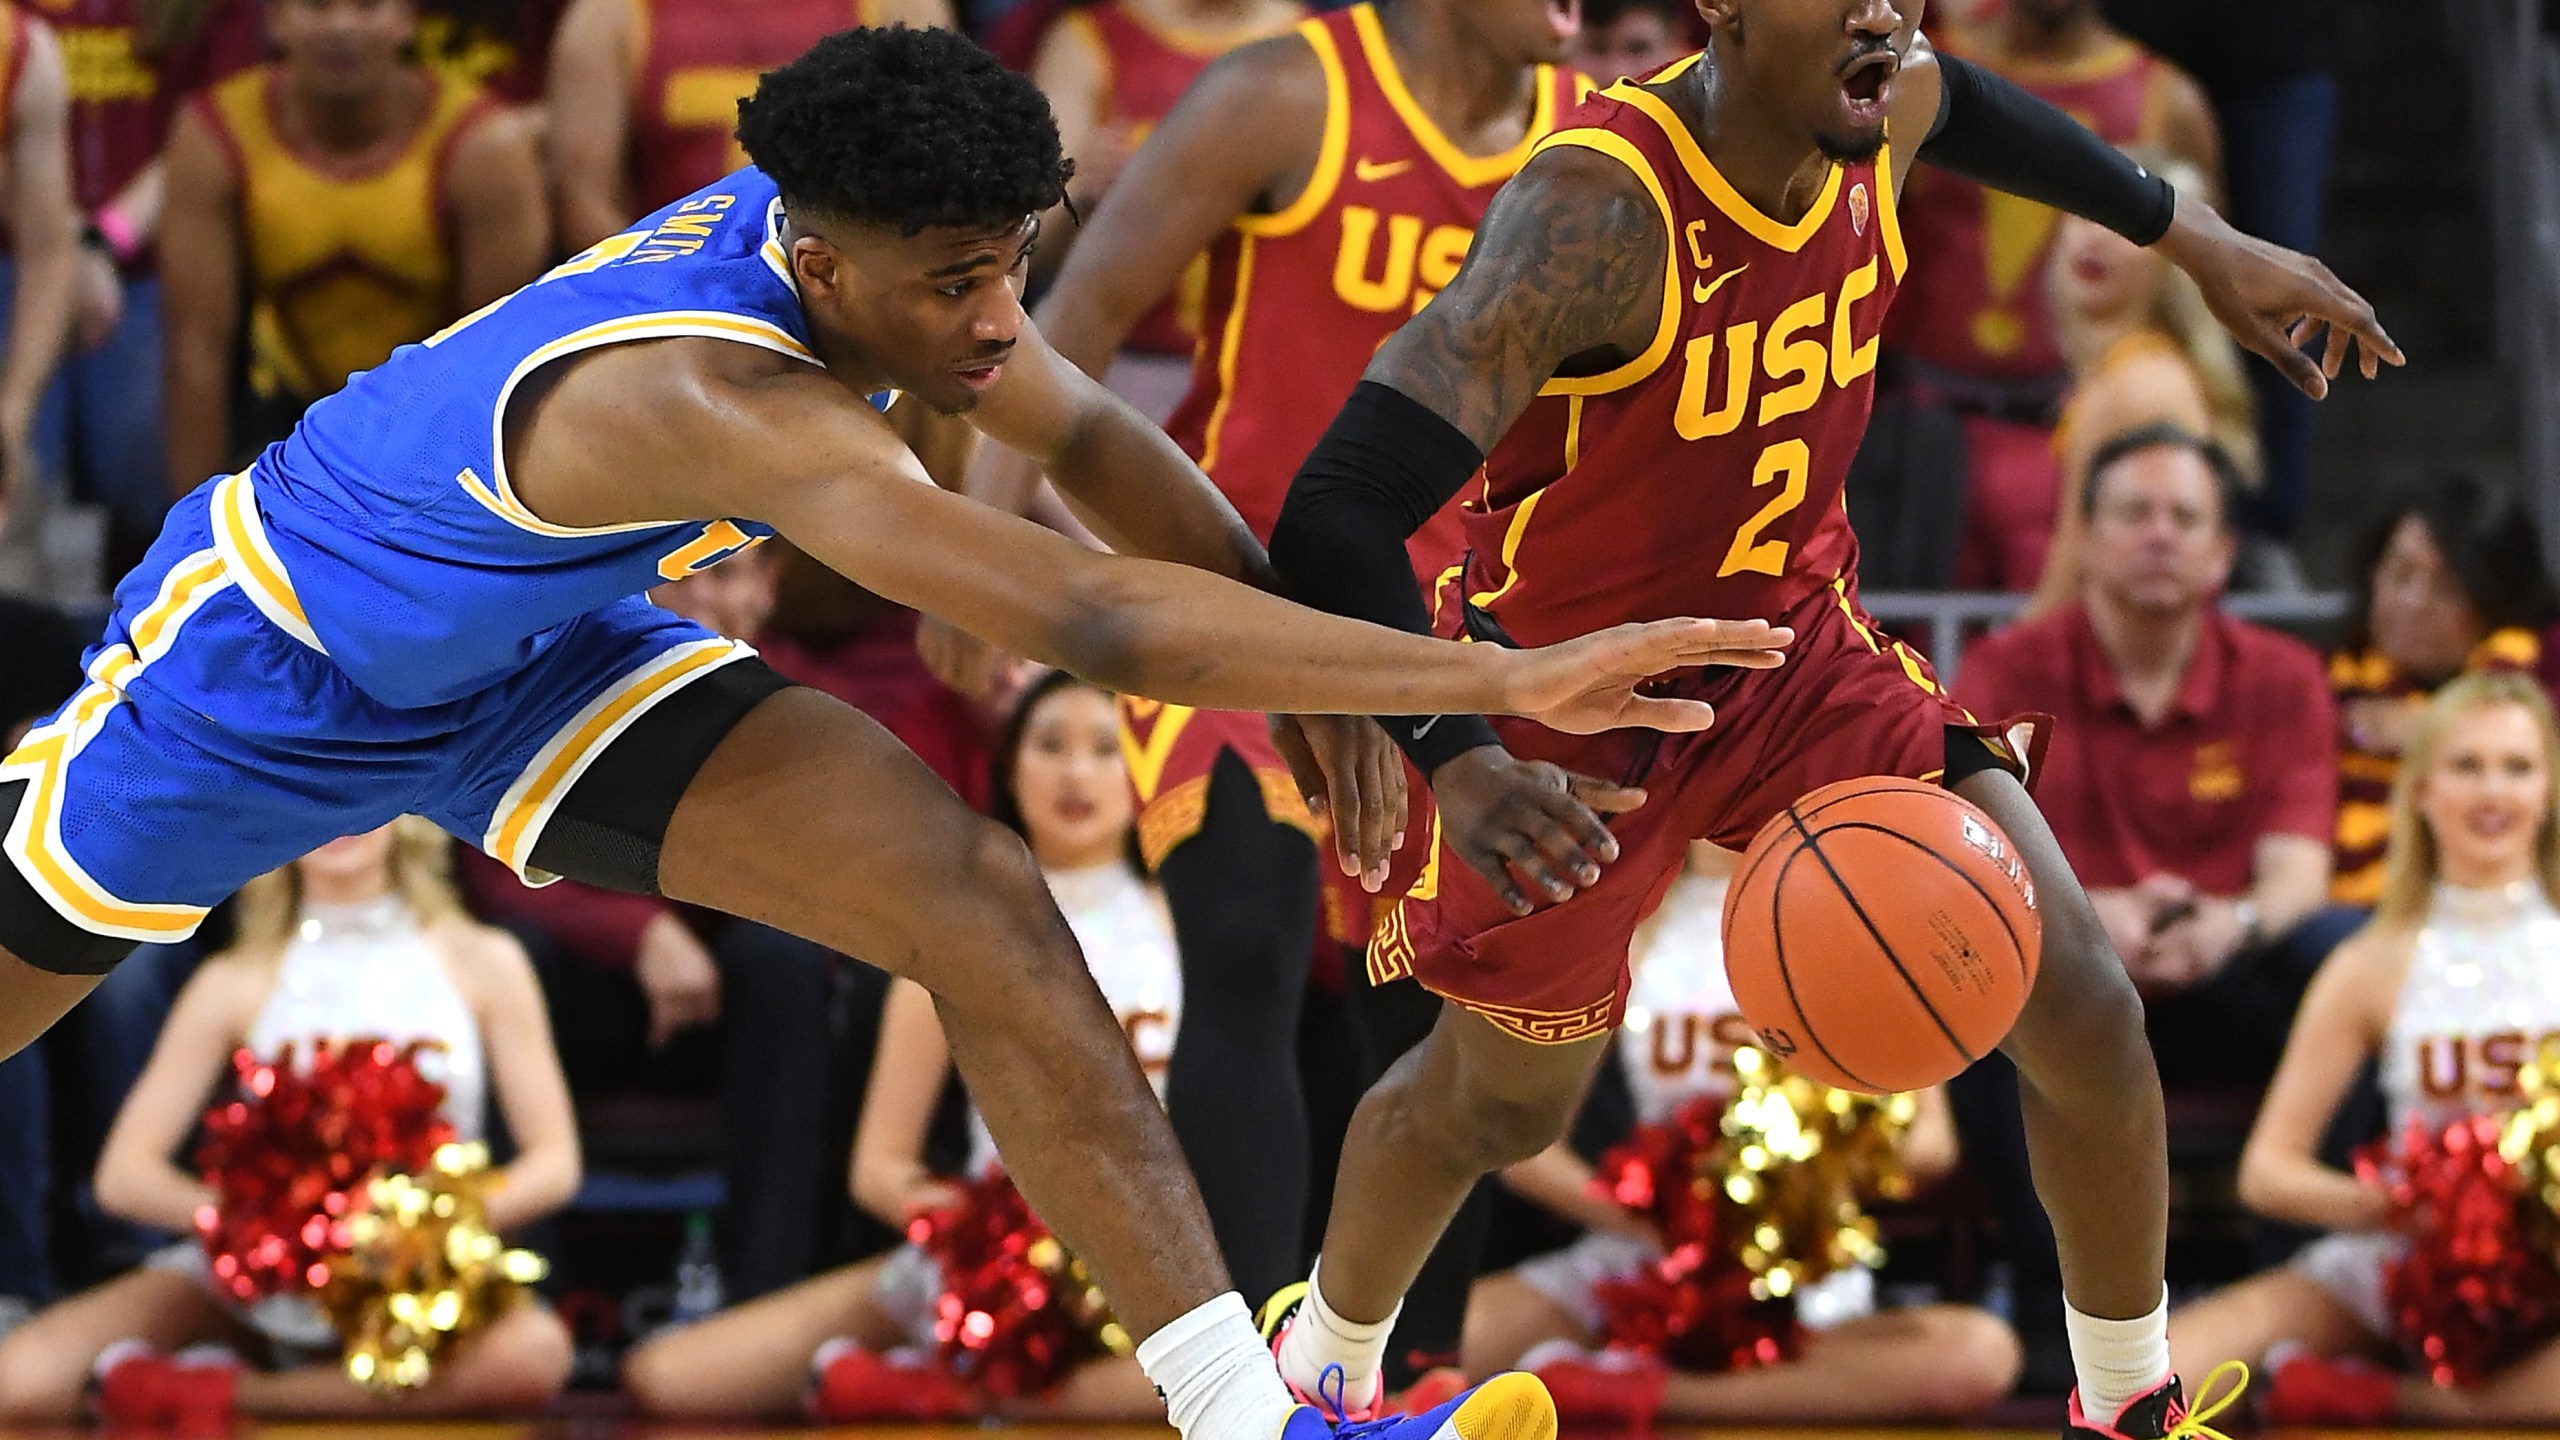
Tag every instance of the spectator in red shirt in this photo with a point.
(2192, 780)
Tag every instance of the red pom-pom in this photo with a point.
(1694, 1306)
(1017, 1312)
(2472, 1294)
(282, 1159)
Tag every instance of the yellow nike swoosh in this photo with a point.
(1701, 291)
(1369, 171)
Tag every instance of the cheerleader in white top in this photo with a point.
(2454, 986)
(855, 1344)
(363, 937)
(1933, 1362)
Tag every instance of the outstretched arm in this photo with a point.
(2272, 300)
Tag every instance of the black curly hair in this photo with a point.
(905, 128)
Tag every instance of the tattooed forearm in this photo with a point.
(1568, 264)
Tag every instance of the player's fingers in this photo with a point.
(1662, 712)
(1349, 847)
(1383, 789)
(1574, 841)
(1602, 797)
(2333, 355)
(1487, 861)
(2268, 340)
(1525, 845)
(1290, 740)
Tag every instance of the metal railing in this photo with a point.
(1947, 616)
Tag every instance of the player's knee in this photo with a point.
(2084, 1001)
(1973, 1363)
(998, 919)
(1491, 1131)
(653, 1375)
(37, 1382)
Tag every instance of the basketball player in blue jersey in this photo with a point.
(427, 599)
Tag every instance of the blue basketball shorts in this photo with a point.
(209, 744)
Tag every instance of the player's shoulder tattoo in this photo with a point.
(1567, 266)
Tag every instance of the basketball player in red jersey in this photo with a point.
(1970, 330)
(1334, 176)
(35, 164)
(1666, 337)
(643, 94)
(1113, 70)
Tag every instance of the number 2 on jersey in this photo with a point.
(1790, 462)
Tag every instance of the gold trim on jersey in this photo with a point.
(1666, 335)
(34, 839)
(1298, 214)
(499, 498)
(517, 823)
(1889, 210)
(1710, 181)
(240, 533)
(1472, 171)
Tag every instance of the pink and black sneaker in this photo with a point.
(2162, 1414)
(1278, 1314)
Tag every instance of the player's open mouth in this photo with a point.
(1866, 83)
(981, 376)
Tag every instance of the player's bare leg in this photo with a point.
(812, 819)
(32, 999)
(1470, 1099)
(2090, 1095)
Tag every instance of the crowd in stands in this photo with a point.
(219, 210)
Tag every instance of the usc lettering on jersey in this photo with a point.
(1300, 299)
(1977, 299)
(1704, 476)
(344, 267)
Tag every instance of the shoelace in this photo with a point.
(1333, 1395)
(2196, 1423)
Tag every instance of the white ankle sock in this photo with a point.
(2117, 1361)
(1321, 1338)
(1215, 1374)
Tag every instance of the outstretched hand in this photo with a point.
(1588, 685)
(2278, 302)
(1353, 776)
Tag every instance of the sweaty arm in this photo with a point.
(1567, 269)
(201, 255)
(1243, 137)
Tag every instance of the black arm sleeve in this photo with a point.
(1384, 466)
(1992, 131)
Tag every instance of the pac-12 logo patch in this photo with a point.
(1858, 208)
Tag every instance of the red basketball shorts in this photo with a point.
(1849, 701)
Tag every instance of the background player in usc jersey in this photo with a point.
(1567, 283)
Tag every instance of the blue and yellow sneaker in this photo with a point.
(1511, 1406)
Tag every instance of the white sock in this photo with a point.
(2117, 1361)
(1215, 1374)
(1320, 1338)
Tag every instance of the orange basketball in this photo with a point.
(1881, 935)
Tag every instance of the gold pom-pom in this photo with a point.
(421, 1270)
(1801, 1159)
(2530, 1141)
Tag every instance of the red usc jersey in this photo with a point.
(1976, 301)
(1704, 476)
(1299, 300)
(1149, 69)
(123, 99)
(698, 59)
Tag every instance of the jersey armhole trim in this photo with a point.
(1298, 214)
(1617, 147)
(499, 498)
(1889, 211)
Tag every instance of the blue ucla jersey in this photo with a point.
(384, 531)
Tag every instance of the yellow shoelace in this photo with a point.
(2196, 1424)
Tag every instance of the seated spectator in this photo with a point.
(2457, 962)
(2449, 581)
(2191, 780)
(2143, 350)
(1935, 1362)
(359, 201)
(1111, 70)
(1631, 38)
(362, 937)
(654, 997)
(642, 100)
(1973, 332)
(850, 1345)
